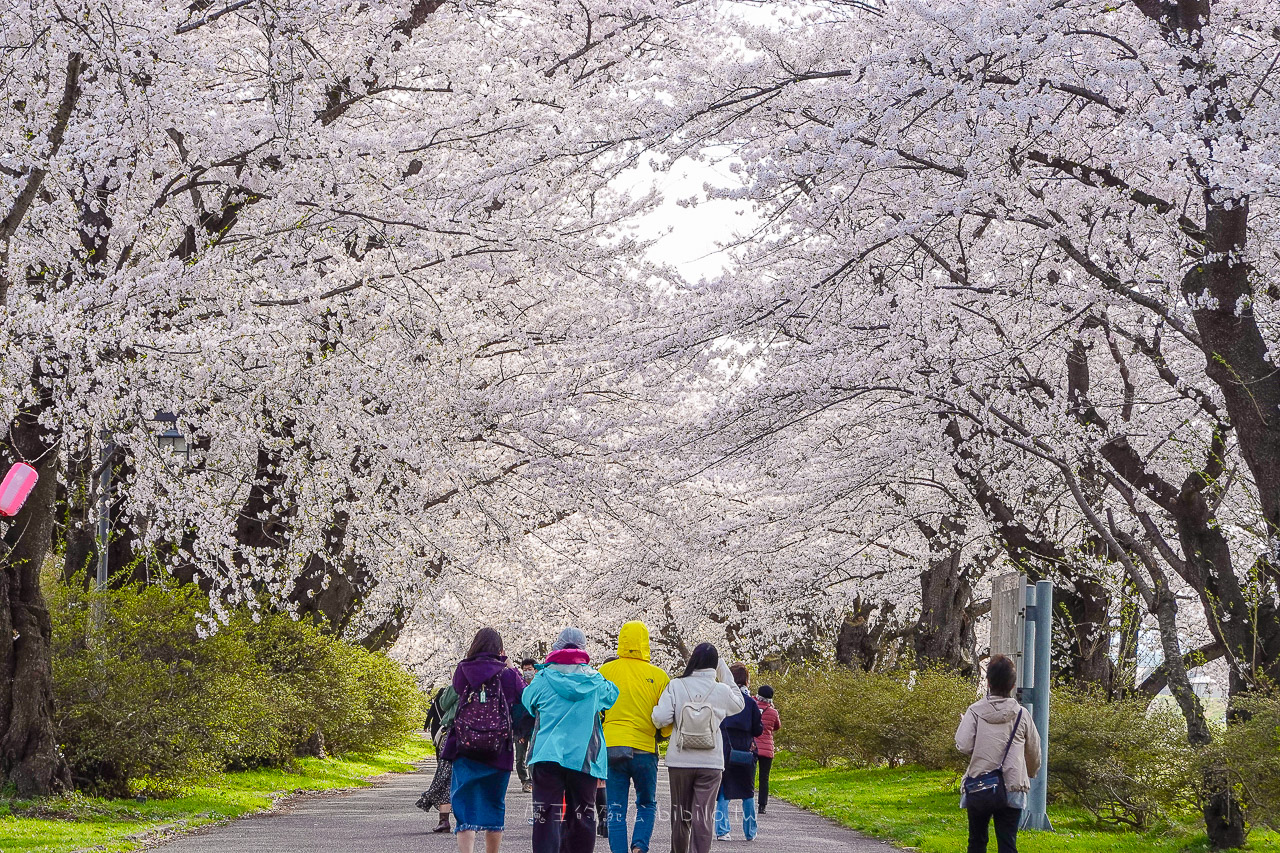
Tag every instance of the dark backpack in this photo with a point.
(482, 726)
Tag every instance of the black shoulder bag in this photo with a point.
(987, 792)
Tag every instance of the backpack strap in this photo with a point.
(1017, 722)
(676, 705)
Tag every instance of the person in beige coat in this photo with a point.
(983, 735)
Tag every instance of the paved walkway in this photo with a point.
(383, 819)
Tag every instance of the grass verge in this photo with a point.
(75, 822)
(919, 809)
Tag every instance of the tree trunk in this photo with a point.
(1083, 621)
(29, 757)
(1083, 616)
(1223, 814)
(1237, 358)
(944, 633)
(859, 643)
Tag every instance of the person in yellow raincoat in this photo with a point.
(632, 738)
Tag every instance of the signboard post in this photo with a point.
(1022, 629)
(1008, 619)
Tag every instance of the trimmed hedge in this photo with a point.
(1127, 763)
(148, 701)
(869, 719)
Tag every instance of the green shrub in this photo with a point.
(1126, 763)
(1250, 751)
(869, 719)
(335, 695)
(146, 701)
(139, 694)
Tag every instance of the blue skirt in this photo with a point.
(478, 794)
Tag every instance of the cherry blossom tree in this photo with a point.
(349, 246)
(1044, 227)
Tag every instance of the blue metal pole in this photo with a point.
(1026, 668)
(1036, 815)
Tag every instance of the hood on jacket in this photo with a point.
(633, 641)
(476, 671)
(997, 710)
(570, 681)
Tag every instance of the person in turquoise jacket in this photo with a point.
(567, 751)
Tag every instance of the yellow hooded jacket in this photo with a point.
(630, 721)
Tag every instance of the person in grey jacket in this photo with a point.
(983, 733)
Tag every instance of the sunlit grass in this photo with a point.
(920, 809)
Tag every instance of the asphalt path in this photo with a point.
(382, 818)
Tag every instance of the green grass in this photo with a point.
(74, 822)
(920, 809)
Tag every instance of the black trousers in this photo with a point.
(762, 790)
(522, 753)
(564, 809)
(1006, 821)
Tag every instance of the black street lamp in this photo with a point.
(170, 438)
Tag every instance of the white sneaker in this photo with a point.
(725, 837)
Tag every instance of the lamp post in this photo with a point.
(104, 508)
(170, 439)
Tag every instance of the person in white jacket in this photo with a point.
(694, 705)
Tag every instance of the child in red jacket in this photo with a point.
(764, 744)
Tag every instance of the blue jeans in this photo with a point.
(642, 769)
(748, 817)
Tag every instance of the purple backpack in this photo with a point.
(483, 724)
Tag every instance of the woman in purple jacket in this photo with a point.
(480, 743)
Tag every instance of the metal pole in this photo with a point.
(104, 514)
(1036, 815)
(1026, 661)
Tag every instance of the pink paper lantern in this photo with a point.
(17, 484)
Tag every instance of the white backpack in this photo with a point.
(695, 720)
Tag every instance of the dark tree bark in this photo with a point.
(29, 757)
(1248, 631)
(1083, 618)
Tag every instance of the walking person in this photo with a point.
(765, 750)
(738, 784)
(444, 705)
(1004, 749)
(567, 750)
(694, 705)
(524, 729)
(633, 739)
(480, 742)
